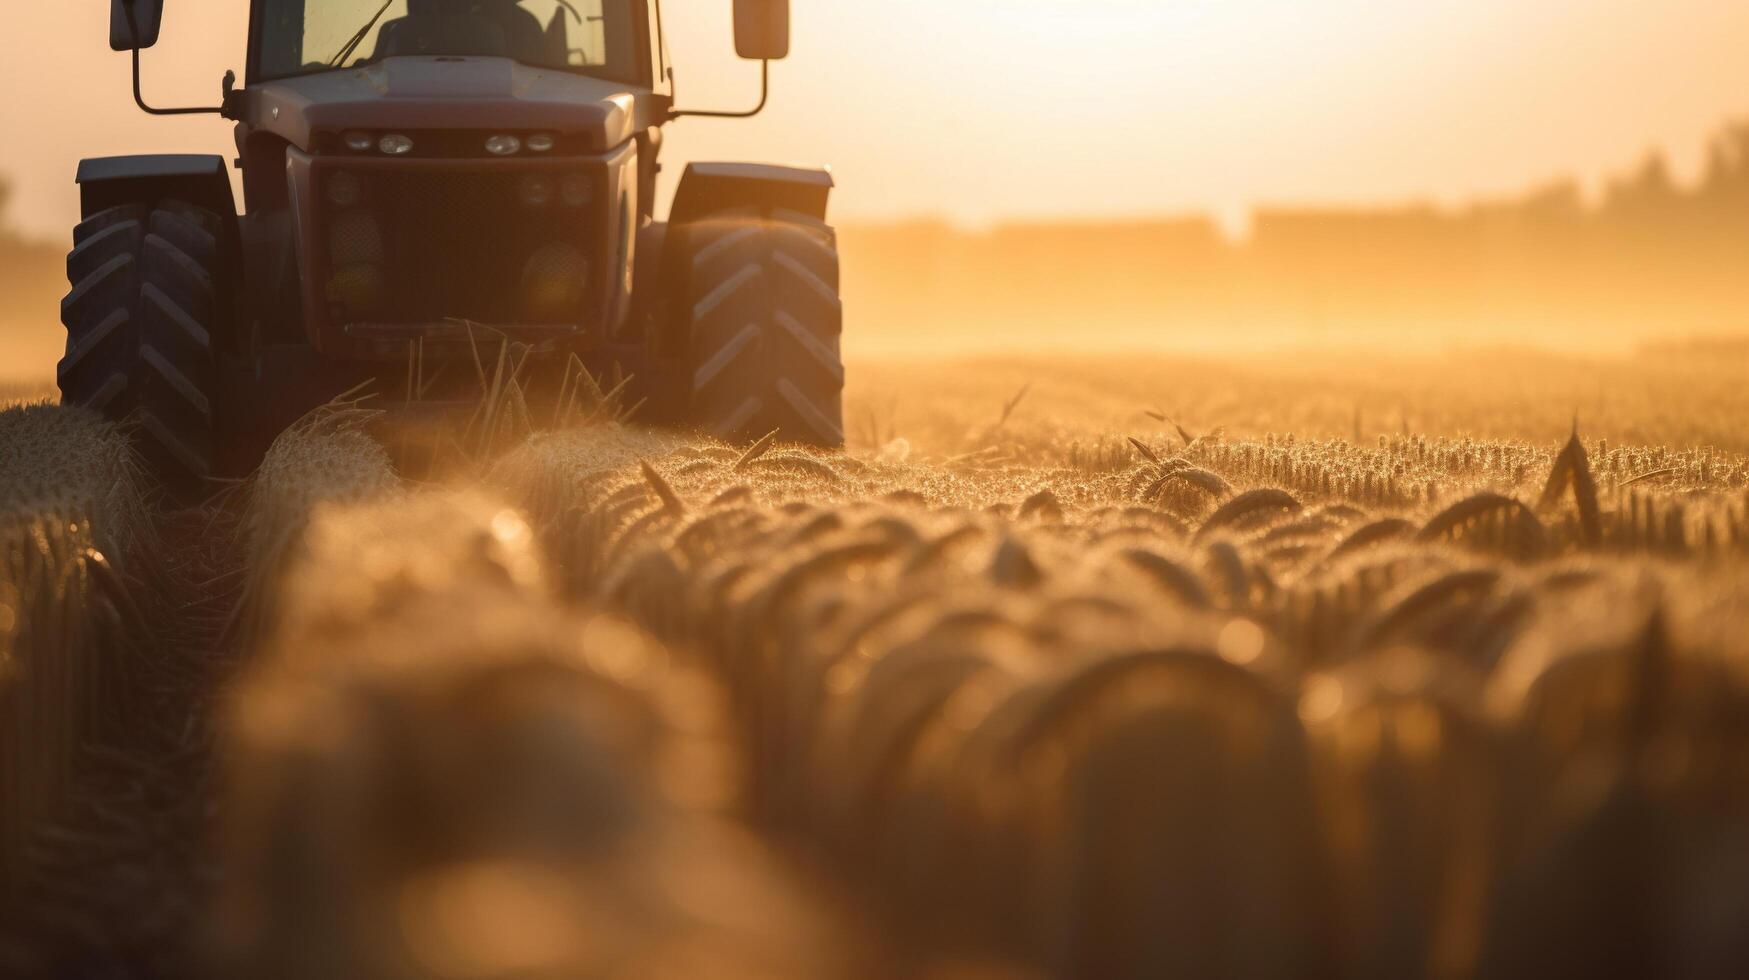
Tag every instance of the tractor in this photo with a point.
(423, 180)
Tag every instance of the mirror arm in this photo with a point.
(139, 99)
(764, 99)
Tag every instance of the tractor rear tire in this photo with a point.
(765, 327)
(140, 320)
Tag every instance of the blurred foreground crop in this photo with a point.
(1064, 670)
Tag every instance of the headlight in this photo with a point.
(574, 190)
(537, 191)
(555, 284)
(503, 146)
(396, 145)
(541, 142)
(359, 142)
(344, 190)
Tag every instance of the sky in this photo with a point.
(982, 111)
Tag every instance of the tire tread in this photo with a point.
(766, 322)
(140, 316)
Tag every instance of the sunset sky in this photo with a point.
(985, 110)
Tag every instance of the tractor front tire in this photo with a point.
(140, 317)
(765, 322)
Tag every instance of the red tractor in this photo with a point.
(420, 178)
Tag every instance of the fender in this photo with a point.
(710, 188)
(106, 182)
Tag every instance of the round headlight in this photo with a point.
(542, 142)
(574, 190)
(344, 190)
(555, 284)
(395, 145)
(537, 191)
(503, 146)
(359, 142)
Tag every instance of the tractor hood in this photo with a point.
(443, 93)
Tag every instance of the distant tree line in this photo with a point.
(32, 279)
(1648, 259)
(20, 257)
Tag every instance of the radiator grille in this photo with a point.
(488, 247)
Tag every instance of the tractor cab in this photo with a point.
(293, 37)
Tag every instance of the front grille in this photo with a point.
(422, 247)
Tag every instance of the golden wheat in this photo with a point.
(477, 781)
(71, 515)
(843, 596)
(1056, 702)
(326, 458)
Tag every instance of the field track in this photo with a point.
(1065, 669)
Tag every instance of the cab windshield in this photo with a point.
(592, 37)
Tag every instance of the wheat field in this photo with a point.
(1298, 667)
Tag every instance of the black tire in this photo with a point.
(140, 320)
(765, 323)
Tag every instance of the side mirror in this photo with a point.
(761, 29)
(134, 24)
